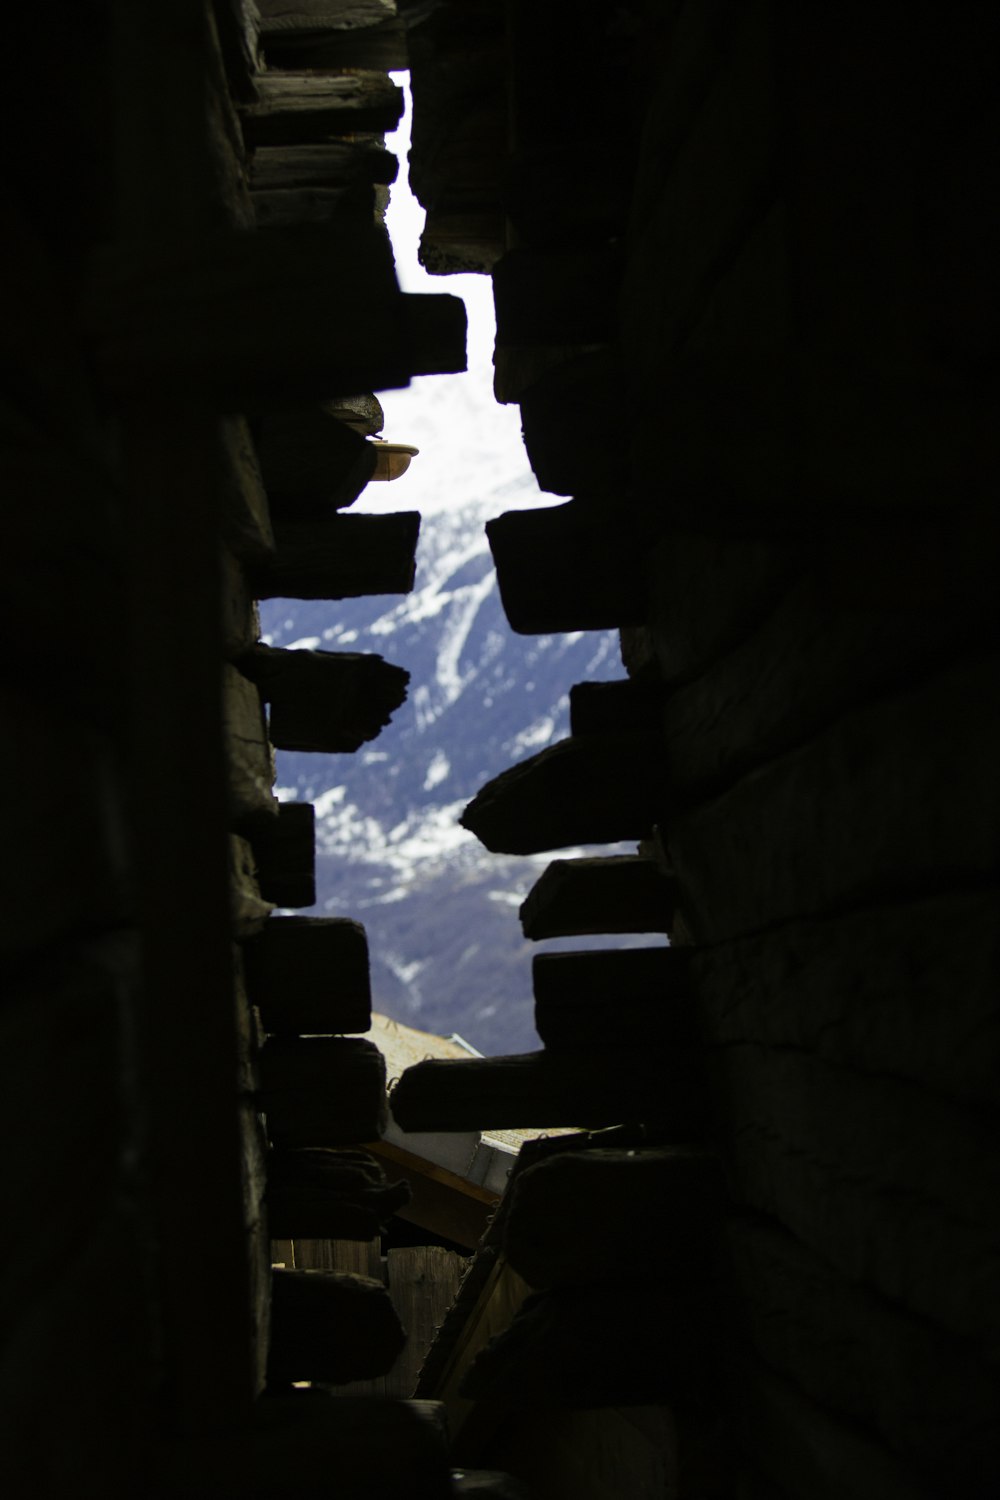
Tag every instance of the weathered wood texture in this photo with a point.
(904, 991)
(539, 1089)
(332, 1327)
(280, 208)
(608, 1344)
(616, 893)
(250, 760)
(569, 1214)
(249, 909)
(328, 36)
(423, 1280)
(891, 1184)
(598, 789)
(311, 460)
(931, 1398)
(246, 519)
(322, 1091)
(305, 107)
(309, 976)
(285, 851)
(563, 568)
(866, 615)
(325, 701)
(604, 999)
(322, 1194)
(609, 707)
(333, 165)
(247, 320)
(458, 143)
(341, 557)
(874, 843)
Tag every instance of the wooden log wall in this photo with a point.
(781, 483)
(174, 1067)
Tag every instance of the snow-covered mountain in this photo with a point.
(441, 912)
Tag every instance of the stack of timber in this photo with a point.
(774, 430)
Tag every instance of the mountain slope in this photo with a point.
(441, 912)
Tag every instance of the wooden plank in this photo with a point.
(248, 909)
(569, 1214)
(334, 164)
(332, 1327)
(864, 1360)
(423, 1280)
(341, 557)
(292, 108)
(322, 1091)
(865, 990)
(280, 208)
(571, 421)
(237, 607)
(247, 320)
(250, 762)
(611, 893)
(285, 851)
(603, 707)
(540, 1089)
(595, 790)
(868, 613)
(311, 460)
(884, 826)
(563, 568)
(186, 1036)
(321, 50)
(445, 1205)
(246, 520)
(891, 1184)
(709, 593)
(309, 976)
(317, 1194)
(608, 998)
(323, 700)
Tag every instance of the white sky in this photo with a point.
(470, 445)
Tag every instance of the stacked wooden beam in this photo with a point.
(800, 545)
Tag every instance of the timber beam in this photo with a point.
(597, 789)
(322, 1091)
(569, 1213)
(285, 854)
(562, 568)
(340, 557)
(319, 1193)
(311, 460)
(293, 108)
(324, 700)
(616, 893)
(331, 1326)
(595, 1001)
(309, 976)
(623, 1086)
